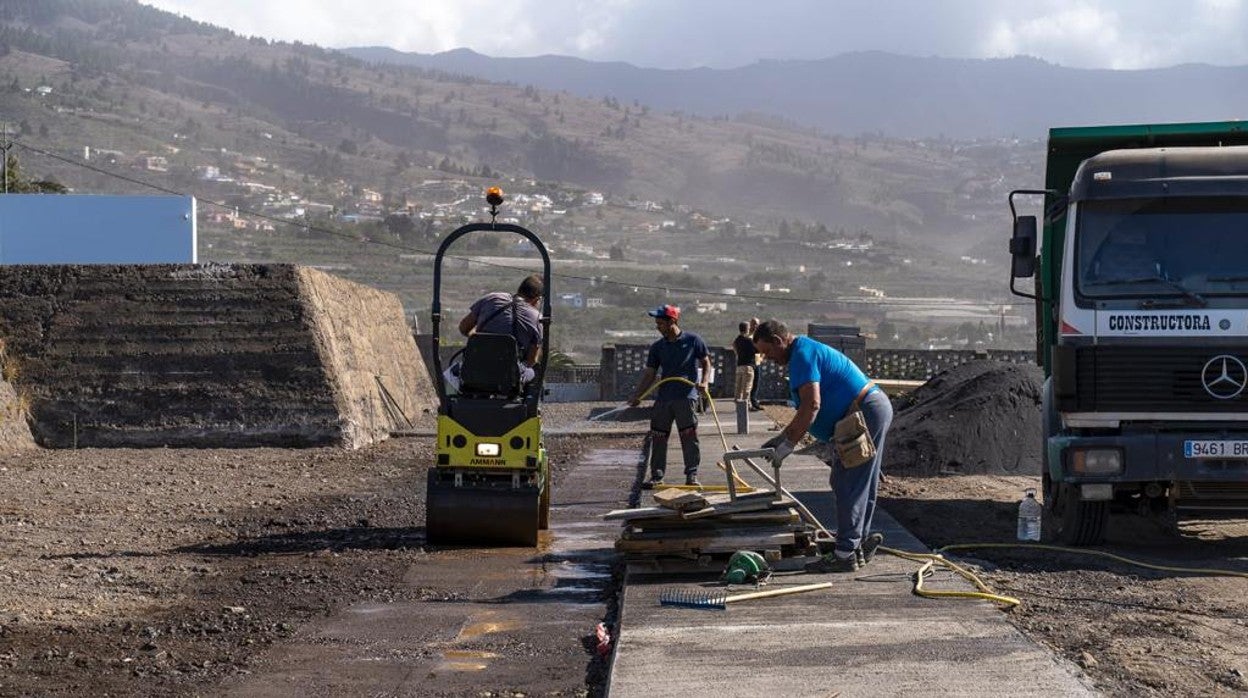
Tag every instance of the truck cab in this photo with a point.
(1142, 323)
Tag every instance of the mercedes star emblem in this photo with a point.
(1224, 376)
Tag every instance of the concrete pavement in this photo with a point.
(868, 635)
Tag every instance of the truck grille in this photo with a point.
(1152, 379)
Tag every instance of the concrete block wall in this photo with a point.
(206, 356)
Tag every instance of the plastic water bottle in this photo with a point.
(1029, 517)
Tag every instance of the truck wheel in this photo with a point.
(1069, 520)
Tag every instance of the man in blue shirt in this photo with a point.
(825, 385)
(676, 354)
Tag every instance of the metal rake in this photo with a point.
(720, 601)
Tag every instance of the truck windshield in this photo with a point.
(1185, 248)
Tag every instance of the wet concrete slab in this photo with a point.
(489, 618)
(867, 635)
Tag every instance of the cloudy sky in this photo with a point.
(1119, 34)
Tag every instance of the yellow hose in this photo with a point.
(929, 560)
(1098, 553)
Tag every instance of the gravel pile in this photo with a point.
(982, 417)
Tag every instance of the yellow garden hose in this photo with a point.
(1098, 553)
(929, 560)
(936, 557)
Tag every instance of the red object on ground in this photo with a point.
(604, 639)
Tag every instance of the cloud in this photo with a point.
(1121, 35)
(1081, 33)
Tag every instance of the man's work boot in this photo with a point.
(692, 481)
(832, 563)
(866, 551)
(656, 479)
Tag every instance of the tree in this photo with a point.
(400, 226)
(559, 359)
(16, 183)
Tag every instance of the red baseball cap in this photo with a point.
(671, 312)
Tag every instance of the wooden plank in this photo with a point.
(680, 500)
(725, 531)
(707, 544)
(737, 507)
(771, 517)
(716, 499)
(640, 513)
(658, 512)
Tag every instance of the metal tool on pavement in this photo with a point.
(704, 600)
(822, 534)
(746, 566)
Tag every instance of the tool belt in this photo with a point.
(851, 438)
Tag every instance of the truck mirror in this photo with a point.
(1023, 248)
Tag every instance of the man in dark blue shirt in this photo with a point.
(676, 354)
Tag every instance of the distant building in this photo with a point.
(572, 300)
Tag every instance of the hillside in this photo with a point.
(313, 152)
(873, 92)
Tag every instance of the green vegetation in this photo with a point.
(301, 154)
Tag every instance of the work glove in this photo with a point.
(781, 446)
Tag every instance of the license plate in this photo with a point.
(1215, 449)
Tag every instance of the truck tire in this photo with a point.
(1070, 521)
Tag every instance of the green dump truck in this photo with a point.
(1141, 293)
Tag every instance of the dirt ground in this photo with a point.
(1135, 631)
(168, 571)
(172, 571)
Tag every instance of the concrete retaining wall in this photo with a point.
(14, 431)
(380, 381)
(207, 356)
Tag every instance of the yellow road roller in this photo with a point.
(491, 481)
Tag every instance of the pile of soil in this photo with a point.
(982, 417)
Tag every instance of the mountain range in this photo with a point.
(115, 75)
(880, 93)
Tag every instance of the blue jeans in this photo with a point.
(855, 489)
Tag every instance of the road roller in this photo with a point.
(491, 483)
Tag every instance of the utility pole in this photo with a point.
(4, 166)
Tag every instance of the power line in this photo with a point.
(417, 250)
